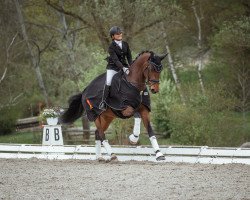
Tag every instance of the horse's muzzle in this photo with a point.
(154, 89)
(154, 86)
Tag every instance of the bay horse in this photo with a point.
(145, 70)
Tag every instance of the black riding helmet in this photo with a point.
(114, 30)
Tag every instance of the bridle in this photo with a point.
(156, 68)
(151, 65)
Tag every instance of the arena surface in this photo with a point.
(75, 179)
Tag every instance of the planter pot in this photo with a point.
(52, 121)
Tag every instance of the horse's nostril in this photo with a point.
(153, 91)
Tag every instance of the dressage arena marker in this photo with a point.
(193, 154)
(52, 135)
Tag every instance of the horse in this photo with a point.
(145, 70)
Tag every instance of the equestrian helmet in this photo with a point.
(114, 30)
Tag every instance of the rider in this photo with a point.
(118, 53)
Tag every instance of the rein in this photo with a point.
(137, 85)
(148, 81)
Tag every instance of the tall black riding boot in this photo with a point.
(105, 94)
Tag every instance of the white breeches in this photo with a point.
(110, 74)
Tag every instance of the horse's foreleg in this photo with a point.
(154, 143)
(146, 121)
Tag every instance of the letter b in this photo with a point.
(56, 132)
(47, 134)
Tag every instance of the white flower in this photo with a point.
(48, 113)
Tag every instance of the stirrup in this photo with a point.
(103, 106)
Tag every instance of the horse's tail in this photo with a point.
(74, 111)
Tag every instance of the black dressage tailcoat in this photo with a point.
(117, 56)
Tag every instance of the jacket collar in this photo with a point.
(116, 45)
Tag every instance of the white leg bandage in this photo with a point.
(98, 149)
(137, 127)
(156, 147)
(154, 143)
(106, 145)
(134, 137)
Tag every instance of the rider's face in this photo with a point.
(117, 36)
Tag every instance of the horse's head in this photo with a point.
(152, 71)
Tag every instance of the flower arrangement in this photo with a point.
(49, 113)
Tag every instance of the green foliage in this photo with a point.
(98, 67)
(231, 53)
(22, 138)
(8, 117)
(191, 127)
(120, 130)
(161, 104)
(188, 76)
(207, 120)
(234, 36)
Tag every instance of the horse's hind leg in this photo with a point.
(109, 151)
(102, 124)
(98, 147)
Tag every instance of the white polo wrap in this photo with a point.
(106, 145)
(154, 143)
(98, 149)
(137, 127)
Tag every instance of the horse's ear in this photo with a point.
(163, 56)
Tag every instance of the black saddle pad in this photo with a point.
(122, 94)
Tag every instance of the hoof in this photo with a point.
(101, 159)
(133, 140)
(133, 143)
(113, 158)
(160, 158)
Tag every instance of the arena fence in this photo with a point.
(192, 154)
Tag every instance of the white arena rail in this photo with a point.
(193, 154)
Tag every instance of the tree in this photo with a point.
(199, 45)
(33, 57)
(11, 94)
(234, 36)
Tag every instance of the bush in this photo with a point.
(161, 104)
(121, 129)
(8, 118)
(207, 120)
